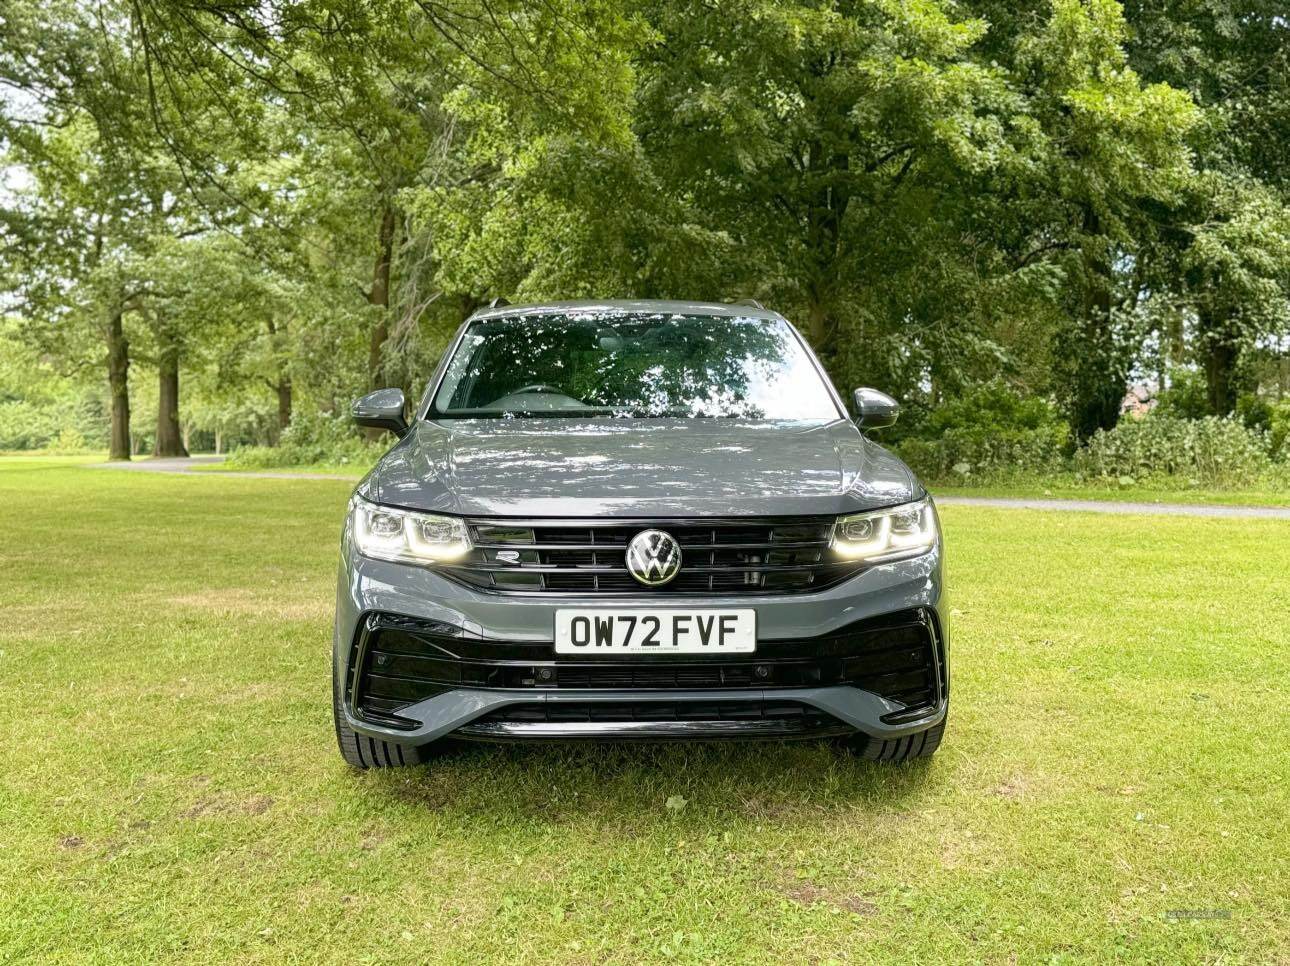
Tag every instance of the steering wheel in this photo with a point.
(537, 387)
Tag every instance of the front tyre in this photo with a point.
(364, 752)
(897, 750)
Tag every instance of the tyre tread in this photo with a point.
(363, 751)
(894, 751)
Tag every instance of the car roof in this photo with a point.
(582, 306)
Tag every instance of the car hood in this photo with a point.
(638, 467)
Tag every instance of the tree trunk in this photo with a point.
(1221, 352)
(380, 296)
(1099, 406)
(1220, 362)
(284, 403)
(219, 443)
(817, 325)
(118, 362)
(169, 440)
(1099, 379)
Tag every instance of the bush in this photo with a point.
(69, 442)
(1254, 411)
(1212, 450)
(1186, 397)
(1279, 428)
(24, 426)
(312, 438)
(989, 433)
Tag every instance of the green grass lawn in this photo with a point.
(171, 788)
(351, 470)
(1061, 490)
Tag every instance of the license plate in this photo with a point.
(654, 631)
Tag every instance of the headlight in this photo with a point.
(404, 536)
(883, 535)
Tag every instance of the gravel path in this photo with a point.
(1005, 503)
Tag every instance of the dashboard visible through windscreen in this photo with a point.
(633, 365)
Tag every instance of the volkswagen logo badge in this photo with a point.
(653, 557)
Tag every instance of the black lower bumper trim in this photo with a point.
(649, 730)
(398, 661)
(656, 719)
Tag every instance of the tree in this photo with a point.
(103, 199)
(866, 168)
(1108, 153)
(67, 230)
(281, 205)
(1225, 263)
(351, 83)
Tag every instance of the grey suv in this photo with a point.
(636, 520)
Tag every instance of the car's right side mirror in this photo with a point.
(875, 409)
(382, 409)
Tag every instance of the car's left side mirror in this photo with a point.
(875, 409)
(382, 409)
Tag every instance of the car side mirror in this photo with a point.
(382, 409)
(875, 409)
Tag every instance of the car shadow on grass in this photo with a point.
(558, 784)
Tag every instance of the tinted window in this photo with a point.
(614, 364)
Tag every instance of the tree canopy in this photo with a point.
(226, 214)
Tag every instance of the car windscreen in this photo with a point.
(633, 365)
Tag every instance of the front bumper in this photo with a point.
(470, 713)
(495, 647)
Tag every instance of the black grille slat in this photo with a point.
(789, 555)
(566, 564)
(382, 705)
(696, 547)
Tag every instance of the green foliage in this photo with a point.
(1213, 451)
(37, 403)
(994, 435)
(994, 406)
(298, 200)
(1254, 411)
(1185, 396)
(317, 438)
(24, 426)
(69, 442)
(1279, 429)
(988, 433)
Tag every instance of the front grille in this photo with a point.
(757, 556)
(399, 661)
